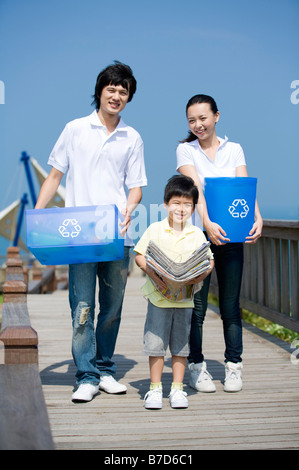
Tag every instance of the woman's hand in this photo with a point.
(216, 233)
(256, 231)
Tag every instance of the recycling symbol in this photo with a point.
(69, 228)
(239, 208)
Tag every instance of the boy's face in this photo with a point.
(114, 98)
(179, 208)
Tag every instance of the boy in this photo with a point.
(168, 323)
(101, 155)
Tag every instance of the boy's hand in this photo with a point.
(198, 279)
(159, 281)
(141, 262)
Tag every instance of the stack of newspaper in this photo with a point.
(176, 275)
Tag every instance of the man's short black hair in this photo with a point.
(180, 185)
(115, 74)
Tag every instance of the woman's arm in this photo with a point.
(215, 232)
(256, 231)
(49, 188)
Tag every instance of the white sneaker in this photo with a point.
(233, 377)
(200, 378)
(153, 399)
(110, 385)
(85, 392)
(178, 398)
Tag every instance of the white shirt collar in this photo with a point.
(95, 121)
(222, 142)
(188, 228)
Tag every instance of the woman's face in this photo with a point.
(202, 120)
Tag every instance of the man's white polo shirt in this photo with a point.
(99, 166)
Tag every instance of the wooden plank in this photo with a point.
(24, 423)
(276, 276)
(260, 271)
(264, 415)
(294, 280)
(285, 277)
(282, 229)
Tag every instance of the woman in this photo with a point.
(203, 154)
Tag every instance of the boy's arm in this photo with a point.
(49, 188)
(142, 264)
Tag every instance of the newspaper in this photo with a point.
(176, 275)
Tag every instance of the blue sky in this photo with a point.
(244, 54)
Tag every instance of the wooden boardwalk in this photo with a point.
(264, 415)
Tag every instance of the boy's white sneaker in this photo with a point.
(200, 378)
(110, 385)
(85, 392)
(153, 399)
(233, 377)
(178, 398)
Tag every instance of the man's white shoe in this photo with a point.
(153, 399)
(110, 385)
(233, 377)
(200, 378)
(85, 392)
(178, 398)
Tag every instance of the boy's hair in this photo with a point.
(180, 185)
(116, 74)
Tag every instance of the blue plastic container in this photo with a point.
(74, 234)
(231, 204)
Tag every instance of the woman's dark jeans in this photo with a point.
(229, 267)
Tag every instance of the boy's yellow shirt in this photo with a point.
(178, 248)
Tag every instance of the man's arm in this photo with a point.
(49, 188)
(134, 197)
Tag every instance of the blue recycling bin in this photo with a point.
(231, 204)
(71, 235)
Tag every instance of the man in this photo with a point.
(101, 155)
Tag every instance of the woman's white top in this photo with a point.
(229, 156)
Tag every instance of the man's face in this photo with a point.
(113, 99)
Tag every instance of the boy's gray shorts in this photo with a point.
(167, 327)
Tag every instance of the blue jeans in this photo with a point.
(167, 327)
(229, 267)
(92, 348)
